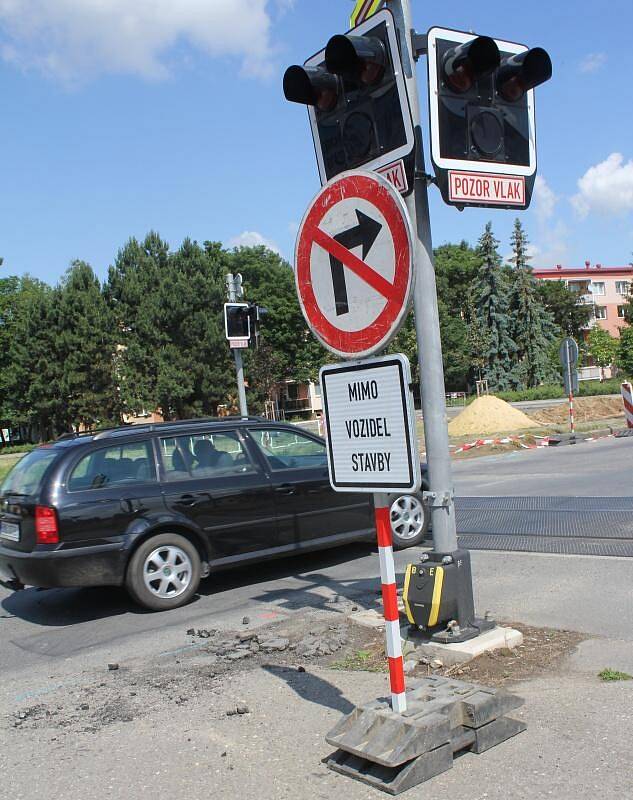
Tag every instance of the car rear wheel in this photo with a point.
(164, 572)
(410, 519)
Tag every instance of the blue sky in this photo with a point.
(119, 118)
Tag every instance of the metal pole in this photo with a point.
(240, 381)
(233, 292)
(427, 321)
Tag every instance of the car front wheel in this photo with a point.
(164, 572)
(410, 517)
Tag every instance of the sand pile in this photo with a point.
(488, 415)
(586, 409)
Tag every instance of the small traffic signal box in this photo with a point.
(357, 102)
(237, 324)
(481, 106)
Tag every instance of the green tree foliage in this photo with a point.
(625, 351)
(492, 303)
(602, 347)
(571, 316)
(456, 267)
(532, 328)
(85, 346)
(33, 374)
(269, 281)
(171, 351)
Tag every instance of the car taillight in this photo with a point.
(46, 528)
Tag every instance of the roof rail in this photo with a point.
(108, 433)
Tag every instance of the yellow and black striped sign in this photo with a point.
(363, 10)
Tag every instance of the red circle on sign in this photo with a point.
(379, 192)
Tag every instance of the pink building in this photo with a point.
(604, 288)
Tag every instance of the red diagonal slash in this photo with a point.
(355, 264)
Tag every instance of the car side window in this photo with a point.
(204, 455)
(284, 449)
(113, 466)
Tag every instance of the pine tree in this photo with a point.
(86, 346)
(532, 327)
(491, 299)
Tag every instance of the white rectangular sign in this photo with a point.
(368, 407)
(486, 188)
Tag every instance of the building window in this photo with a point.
(601, 312)
(317, 390)
(597, 288)
(622, 287)
(621, 311)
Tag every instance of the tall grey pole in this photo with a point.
(239, 367)
(235, 292)
(427, 320)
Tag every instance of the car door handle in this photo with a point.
(189, 500)
(131, 506)
(286, 488)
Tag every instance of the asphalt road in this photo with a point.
(50, 632)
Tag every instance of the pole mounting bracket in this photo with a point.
(439, 499)
(419, 44)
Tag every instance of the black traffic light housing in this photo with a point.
(481, 104)
(357, 101)
(237, 321)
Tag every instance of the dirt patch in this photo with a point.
(542, 651)
(586, 409)
(488, 415)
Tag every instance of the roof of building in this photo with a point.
(588, 269)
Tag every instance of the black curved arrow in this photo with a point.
(364, 234)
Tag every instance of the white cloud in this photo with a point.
(606, 188)
(544, 200)
(73, 40)
(552, 240)
(253, 239)
(552, 247)
(592, 62)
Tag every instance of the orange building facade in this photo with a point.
(604, 288)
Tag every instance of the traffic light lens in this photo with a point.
(522, 72)
(358, 136)
(486, 131)
(361, 58)
(468, 62)
(311, 86)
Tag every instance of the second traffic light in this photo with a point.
(357, 101)
(237, 323)
(481, 104)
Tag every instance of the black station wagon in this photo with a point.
(158, 507)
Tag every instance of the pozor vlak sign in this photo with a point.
(371, 440)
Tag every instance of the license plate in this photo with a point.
(9, 531)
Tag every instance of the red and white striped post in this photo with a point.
(572, 426)
(390, 602)
(627, 399)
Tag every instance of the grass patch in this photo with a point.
(362, 661)
(614, 675)
(6, 464)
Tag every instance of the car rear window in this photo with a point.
(26, 476)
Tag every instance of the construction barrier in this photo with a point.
(627, 400)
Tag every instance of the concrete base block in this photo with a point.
(451, 654)
(393, 780)
(394, 752)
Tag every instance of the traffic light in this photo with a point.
(237, 322)
(481, 103)
(357, 102)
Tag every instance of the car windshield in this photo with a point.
(26, 476)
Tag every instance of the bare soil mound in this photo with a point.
(586, 409)
(488, 415)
